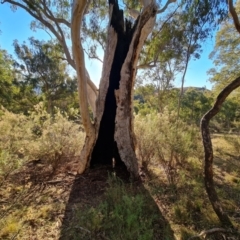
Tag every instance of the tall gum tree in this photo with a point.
(110, 134)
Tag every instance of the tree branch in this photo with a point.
(234, 15)
(207, 144)
(166, 6)
(39, 15)
(148, 65)
(208, 232)
(93, 56)
(49, 15)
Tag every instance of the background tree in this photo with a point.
(225, 54)
(195, 103)
(43, 69)
(7, 90)
(207, 142)
(15, 95)
(112, 135)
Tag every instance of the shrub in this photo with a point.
(12, 132)
(55, 139)
(234, 141)
(37, 136)
(163, 139)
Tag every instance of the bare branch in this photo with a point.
(62, 39)
(208, 232)
(207, 144)
(93, 56)
(147, 65)
(87, 7)
(133, 13)
(234, 15)
(166, 6)
(49, 15)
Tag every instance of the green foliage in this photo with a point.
(162, 139)
(8, 90)
(8, 163)
(12, 133)
(225, 54)
(41, 70)
(153, 97)
(195, 103)
(228, 114)
(122, 215)
(234, 141)
(37, 136)
(55, 139)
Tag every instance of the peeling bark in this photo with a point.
(119, 40)
(112, 136)
(124, 134)
(207, 143)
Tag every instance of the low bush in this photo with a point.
(161, 139)
(38, 136)
(234, 141)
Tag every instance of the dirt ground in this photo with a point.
(36, 203)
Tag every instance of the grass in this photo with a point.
(33, 207)
(186, 203)
(124, 213)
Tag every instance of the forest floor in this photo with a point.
(36, 203)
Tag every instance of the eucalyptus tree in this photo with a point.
(14, 96)
(207, 142)
(225, 55)
(94, 25)
(7, 89)
(194, 104)
(42, 66)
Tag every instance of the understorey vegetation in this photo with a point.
(139, 157)
(39, 153)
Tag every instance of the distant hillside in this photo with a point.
(198, 89)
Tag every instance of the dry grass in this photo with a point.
(31, 207)
(36, 204)
(185, 203)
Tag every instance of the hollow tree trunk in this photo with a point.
(113, 135)
(207, 143)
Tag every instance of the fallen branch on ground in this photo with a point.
(203, 234)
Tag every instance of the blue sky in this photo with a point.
(16, 25)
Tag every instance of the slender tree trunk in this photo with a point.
(207, 143)
(113, 126)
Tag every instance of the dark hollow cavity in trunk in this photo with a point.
(105, 148)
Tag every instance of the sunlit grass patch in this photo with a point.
(9, 227)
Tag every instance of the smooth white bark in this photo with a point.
(78, 55)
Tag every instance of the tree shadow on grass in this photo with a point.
(186, 201)
(105, 205)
